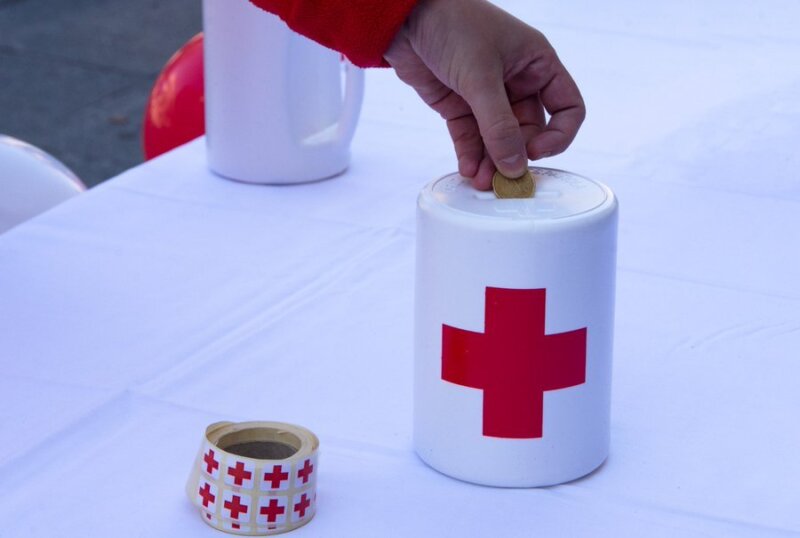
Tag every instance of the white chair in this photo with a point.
(31, 182)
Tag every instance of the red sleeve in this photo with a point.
(362, 30)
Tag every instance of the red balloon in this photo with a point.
(175, 112)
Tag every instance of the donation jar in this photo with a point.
(514, 322)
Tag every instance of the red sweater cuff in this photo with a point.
(362, 30)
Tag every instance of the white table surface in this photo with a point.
(167, 298)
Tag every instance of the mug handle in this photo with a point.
(351, 107)
(340, 134)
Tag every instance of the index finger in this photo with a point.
(562, 99)
(498, 125)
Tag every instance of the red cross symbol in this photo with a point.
(302, 506)
(205, 493)
(239, 473)
(514, 361)
(211, 464)
(276, 476)
(235, 506)
(272, 510)
(306, 471)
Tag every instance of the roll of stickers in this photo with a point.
(255, 478)
(514, 328)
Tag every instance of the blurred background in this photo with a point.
(75, 75)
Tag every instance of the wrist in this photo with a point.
(401, 41)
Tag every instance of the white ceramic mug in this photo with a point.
(274, 107)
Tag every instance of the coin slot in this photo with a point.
(547, 194)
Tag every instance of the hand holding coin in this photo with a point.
(497, 82)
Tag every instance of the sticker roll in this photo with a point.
(514, 315)
(255, 478)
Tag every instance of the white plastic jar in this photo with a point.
(514, 330)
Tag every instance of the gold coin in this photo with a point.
(506, 187)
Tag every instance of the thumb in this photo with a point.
(498, 126)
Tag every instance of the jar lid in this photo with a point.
(559, 195)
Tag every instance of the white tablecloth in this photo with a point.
(167, 298)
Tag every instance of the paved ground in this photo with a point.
(75, 75)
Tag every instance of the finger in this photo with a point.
(562, 100)
(467, 143)
(530, 113)
(452, 107)
(483, 178)
(461, 125)
(498, 126)
(431, 90)
(463, 131)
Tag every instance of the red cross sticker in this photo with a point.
(275, 478)
(235, 507)
(513, 361)
(238, 474)
(301, 506)
(304, 474)
(211, 463)
(206, 495)
(271, 511)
